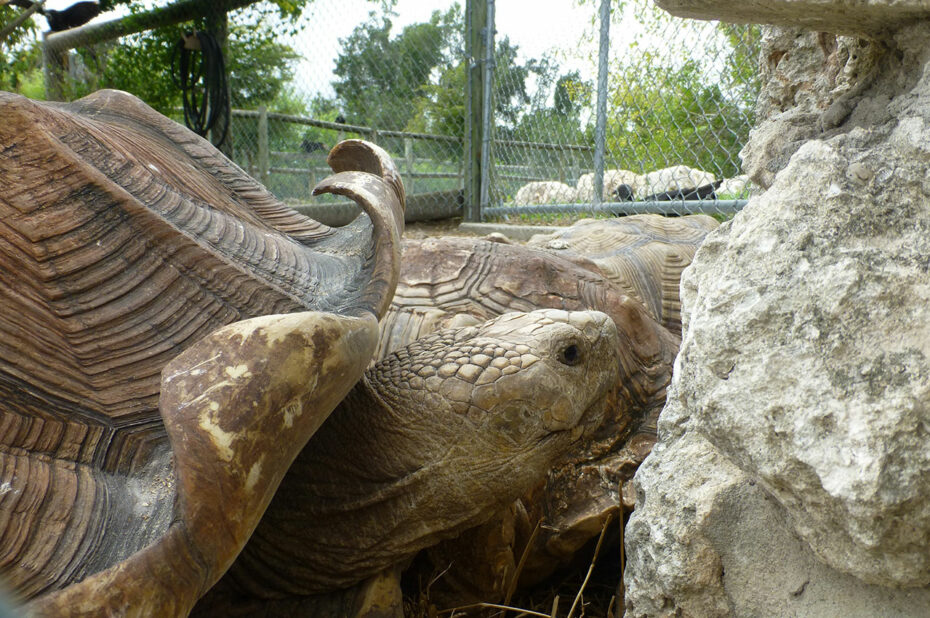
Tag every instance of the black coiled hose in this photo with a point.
(203, 85)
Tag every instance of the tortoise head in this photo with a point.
(498, 404)
(512, 382)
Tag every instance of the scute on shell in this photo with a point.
(643, 254)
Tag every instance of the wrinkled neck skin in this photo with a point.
(406, 461)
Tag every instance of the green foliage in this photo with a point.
(259, 67)
(671, 117)
(441, 107)
(687, 100)
(383, 77)
(20, 56)
(415, 80)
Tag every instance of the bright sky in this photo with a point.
(534, 26)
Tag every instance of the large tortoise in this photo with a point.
(149, 419)
(643, 254)
(152, 393)
(436, 439)
(455, 281)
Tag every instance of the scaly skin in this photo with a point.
(437, 438)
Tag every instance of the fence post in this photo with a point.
(408, 158)
(264, 157)
(476, 22)
(53, 65)
(487, 110)
(600, 127)
(311, 177)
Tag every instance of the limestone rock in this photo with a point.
(857, 17)
(805, 369)
(811, 82)
(806, 359)
(544, 192)
(612, 180)
(678, 177)
(718, 545)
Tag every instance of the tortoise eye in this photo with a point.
(570, 355)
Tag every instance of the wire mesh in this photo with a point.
(679, 98)
(680, 95)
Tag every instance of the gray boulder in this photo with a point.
(792, 474)
(857, 17)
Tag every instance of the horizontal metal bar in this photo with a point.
(676, 207)
(319, 155)
(503, 177)
(325, 171)
(323, 124)
(336, 126)
(422, 136)
(543, 145)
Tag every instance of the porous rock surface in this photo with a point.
(792, 473)
(612, 180)
(811, 83)
(858, 17)
(544, 192)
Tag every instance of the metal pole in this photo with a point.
(476, 14)
(264, 158)
(600, 127)
(487, 117)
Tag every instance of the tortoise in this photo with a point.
(437, 438)
(170, 337)
(173, 336)
(643, 254)
(450, 281)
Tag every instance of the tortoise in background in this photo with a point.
(643, 254)
(149, 403)
(458, 281)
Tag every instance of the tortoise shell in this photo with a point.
(125, 240)
(643, 254)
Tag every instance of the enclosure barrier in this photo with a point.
(665, 93)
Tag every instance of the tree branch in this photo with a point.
(185, 10)
(22, 17)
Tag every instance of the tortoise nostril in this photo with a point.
(570, 355)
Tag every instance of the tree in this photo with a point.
(382, 77)
(20, 56)
(671, 116)
(259, 67)
(682, 92)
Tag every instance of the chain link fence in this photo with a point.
(513, 134)
(678, 102)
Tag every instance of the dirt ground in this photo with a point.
(432, 229)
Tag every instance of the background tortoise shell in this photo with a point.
(643, 254)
